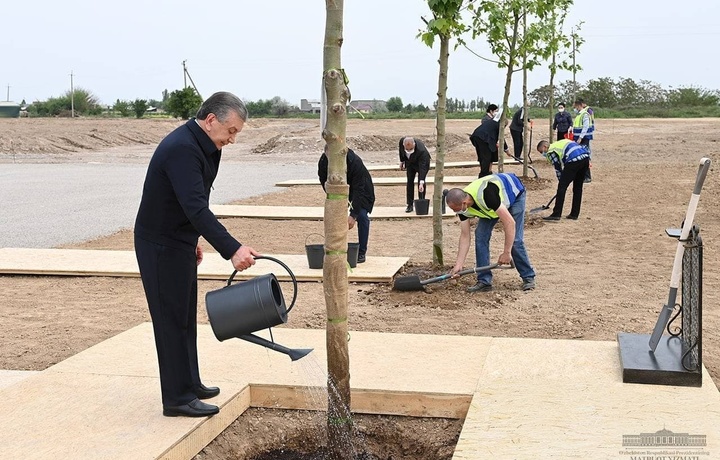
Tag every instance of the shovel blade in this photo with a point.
(408, 283)
(538, 209)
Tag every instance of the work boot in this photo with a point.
(528, 284)
(480, 287)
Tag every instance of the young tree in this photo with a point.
(139, 107)
(334, 123)
(445, 24)
(122, 107)
(394, 104)
(184, 103)
(500, 22)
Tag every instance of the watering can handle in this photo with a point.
(292, 276)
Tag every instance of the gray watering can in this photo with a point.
(238, 310)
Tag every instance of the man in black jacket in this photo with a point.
(485, 141)
(362, 196)
(174, 212)
(517, 128)
(562, 122)
(415, 160)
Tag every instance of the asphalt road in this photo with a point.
(46, 205)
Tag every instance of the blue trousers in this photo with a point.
(483, 231)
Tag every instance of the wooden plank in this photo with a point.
(310, 212)
(448, 164)
(84, 262)
(380, 181)
(403, 403)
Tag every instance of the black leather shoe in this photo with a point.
(409, 208)
(570, 216)
(203, 392)
(361, 259)
(551, 217)
(194, 408)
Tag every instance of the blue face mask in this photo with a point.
(576, 110)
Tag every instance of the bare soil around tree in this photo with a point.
(605, 273)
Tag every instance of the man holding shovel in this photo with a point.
(571, 161)
(492, 198)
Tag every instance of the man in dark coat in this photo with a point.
(415, 160)
(517, 128)
(174, 212)
(362, 196)
(485, 141)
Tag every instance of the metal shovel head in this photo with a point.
(539, 208)
(408, 283)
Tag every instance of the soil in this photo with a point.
(606, 273)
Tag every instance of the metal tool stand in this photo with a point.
(677, 360)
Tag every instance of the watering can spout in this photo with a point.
(294, 354)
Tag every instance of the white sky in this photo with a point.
(259, 49)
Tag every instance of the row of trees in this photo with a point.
(624, 92)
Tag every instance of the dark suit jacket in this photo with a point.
(487, 132)
(362, 190)
(174, 210)
(418, 161)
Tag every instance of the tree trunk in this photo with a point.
(506, 96)
(526, 147)
(552, 98)
(438, 258)
(335, 281)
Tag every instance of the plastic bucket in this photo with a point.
(352, 254)
(422, 207)
(315, 253)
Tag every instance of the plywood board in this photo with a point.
(310, 212)
(84, 262)
(386, 181)
(448, 164)
(520, 398)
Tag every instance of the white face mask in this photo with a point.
(561, 109)
(409, 152)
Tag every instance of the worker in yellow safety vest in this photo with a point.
(584, 128)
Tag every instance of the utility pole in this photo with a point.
(184, 74)
(8, 93)
(72, 96)
(572, 34)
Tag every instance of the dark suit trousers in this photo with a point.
(169, 277)
(485, 157)
(573, 173)
(586, 142)
(412, 171)
(518, 142)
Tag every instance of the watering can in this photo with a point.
(237, 310)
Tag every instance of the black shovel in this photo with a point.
(413, 283)
(543, 207)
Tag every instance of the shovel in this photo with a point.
(543, 207)
(413, 283)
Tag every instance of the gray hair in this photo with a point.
(455, 196)
(221, 104)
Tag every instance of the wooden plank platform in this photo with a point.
(459, 180)
(310, 212)
(84, 262)
(448, 164)
(520, 398)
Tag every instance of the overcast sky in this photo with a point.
(260, 49)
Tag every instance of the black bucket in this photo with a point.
(315, 253)
(352, 254)
(245, 307)
(422, 206)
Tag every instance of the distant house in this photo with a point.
(310, 105)
(368, 105)
(9, 110)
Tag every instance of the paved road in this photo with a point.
(46, 205)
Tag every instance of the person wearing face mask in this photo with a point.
(584, 128)
(415, 160)
(489, 199)
(563, 122)
(485, 141)
(174, 212)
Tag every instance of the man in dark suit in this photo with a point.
(174, 212)
(362, 196)
(485, 141)
(415, 159)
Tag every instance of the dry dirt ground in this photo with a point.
(606, 273)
